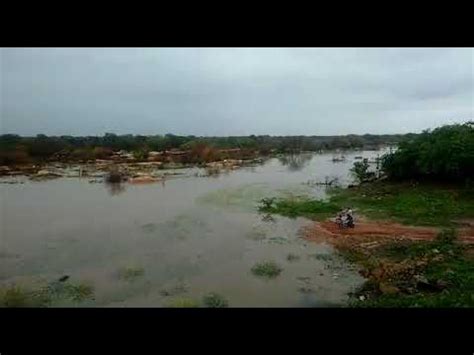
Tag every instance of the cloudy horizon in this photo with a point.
(233, 91)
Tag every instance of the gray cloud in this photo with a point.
(233, 91)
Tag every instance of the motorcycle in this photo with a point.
(347, 222)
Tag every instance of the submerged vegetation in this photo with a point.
(295, 207)
(267, 269)
(214, 300)
(183, 303)
(54, 293)
(15, 296)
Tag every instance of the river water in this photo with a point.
(187, 237)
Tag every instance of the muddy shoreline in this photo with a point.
(133, 172)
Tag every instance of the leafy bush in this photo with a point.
(102, 153)
(445, 154)
(141, 154)
(360, 170)
(18, 156)
(86, 153)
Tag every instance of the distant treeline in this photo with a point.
(15, 149)
(444, 154)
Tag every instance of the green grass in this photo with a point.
(214, 300)
(460, 293)
(295, 207)
(267, 269)
(424, 204)
(443, 259)
(443, 244)
(448, 263)
(430, 205)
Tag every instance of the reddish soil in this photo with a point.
(380, 231)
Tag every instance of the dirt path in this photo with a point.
(373, 231)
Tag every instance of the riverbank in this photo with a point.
(97, 170)
(413, 243)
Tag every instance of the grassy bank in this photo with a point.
(437, 273)
(428, 205)
(415, 274)
(420, 204)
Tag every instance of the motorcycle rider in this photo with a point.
(345, 218)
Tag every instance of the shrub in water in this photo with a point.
(268, 269)
(214, 300)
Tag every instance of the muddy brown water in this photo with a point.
(188, 236)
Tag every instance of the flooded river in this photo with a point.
(177, 240)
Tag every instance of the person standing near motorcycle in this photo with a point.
(349, 217)
(345, 218)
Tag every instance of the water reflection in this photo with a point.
(115, 188)
(295, 162)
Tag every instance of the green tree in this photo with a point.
(360, 170)
(445, 154)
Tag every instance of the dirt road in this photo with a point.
(379, 231)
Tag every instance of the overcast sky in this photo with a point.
(233, 91)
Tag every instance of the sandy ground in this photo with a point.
(379, 231)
